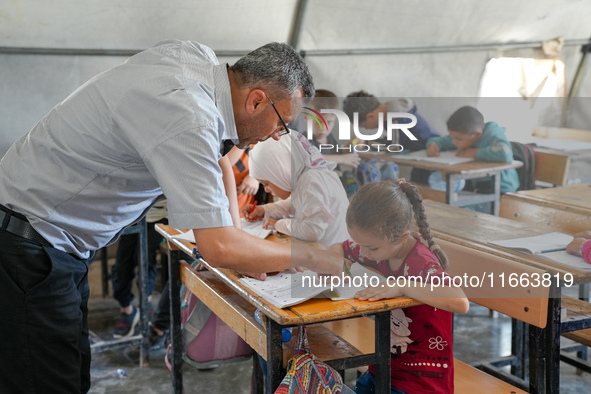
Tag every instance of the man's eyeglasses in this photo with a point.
(285, 129)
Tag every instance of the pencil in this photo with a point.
(252, 209)
(347, 269)
(552, 250)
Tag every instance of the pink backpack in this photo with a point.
(208, 342)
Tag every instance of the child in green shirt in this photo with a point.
(472, 137)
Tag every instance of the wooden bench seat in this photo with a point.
(468, 380)
(581, 336)
(575, 309)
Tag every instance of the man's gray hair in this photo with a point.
(277, 68)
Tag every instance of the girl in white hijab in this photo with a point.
(314, 202)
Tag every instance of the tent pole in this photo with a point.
(574, 89)
(298, 24)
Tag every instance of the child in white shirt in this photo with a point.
(314, 202)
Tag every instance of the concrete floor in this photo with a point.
(477, 336)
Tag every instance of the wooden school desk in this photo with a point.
(566, 209)
(472, 231)
(561, 167)
(220, 290)
(558, 166)
(454, 173)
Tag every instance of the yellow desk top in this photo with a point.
(577, 197)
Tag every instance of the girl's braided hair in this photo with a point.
(387, 208)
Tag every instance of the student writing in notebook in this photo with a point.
(581, 245)
(472, 137)
(379, 221)
(295, 171)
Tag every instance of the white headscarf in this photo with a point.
(283, 162)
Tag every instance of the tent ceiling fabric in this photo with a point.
(352, 24)
(328, 24)
(49, 48)
(139, 24)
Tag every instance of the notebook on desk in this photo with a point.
(551, 246)
(445, 157)
(255, 229)
(287, 289)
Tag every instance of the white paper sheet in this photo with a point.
(255, 229)
(445, 157)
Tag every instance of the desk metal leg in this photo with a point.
(496, 203)
(584, 291)
(553, 330)
(544, 351)
(174, 280)
(517, 347)
(451, 196)
(275, 371)
(382, 343)
(537, 360)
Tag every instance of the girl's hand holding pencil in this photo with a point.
(253, 213)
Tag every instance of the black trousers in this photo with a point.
(44, 346)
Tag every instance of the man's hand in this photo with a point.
(432, 149)
(322, 261)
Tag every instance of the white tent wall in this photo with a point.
(428, 48)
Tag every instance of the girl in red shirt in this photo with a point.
(379, 221)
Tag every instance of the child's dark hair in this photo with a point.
(324, 99)
(360, 102)
(466, 120)
(386, 209)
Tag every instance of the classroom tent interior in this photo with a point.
(455, 51)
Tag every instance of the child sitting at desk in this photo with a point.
(327, 144)
(379, 221)
(247, 188)
(484, 141)
(581, 245)
(295, 171)
(321, 134)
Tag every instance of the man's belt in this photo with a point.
(11, 223)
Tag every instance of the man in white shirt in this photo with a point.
(151, 127)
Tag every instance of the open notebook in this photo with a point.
(255, 229)
(287, 289)
(551, 246)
